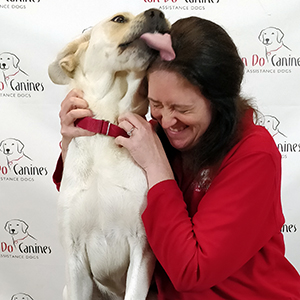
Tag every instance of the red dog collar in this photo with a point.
(100, 126)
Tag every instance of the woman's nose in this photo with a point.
(167, 119)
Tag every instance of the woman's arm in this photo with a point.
(73, 107)
(145, 147)
(235, 219)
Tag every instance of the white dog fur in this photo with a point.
(103, 191)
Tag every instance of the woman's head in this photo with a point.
(207, 58)
(179, 107)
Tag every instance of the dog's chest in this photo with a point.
(101, 184)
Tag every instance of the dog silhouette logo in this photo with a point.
(10, 68)
(271, 123)
(272, 39)
(13, 149)
(21, 296)
(18, 230)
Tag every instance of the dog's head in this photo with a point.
(10, 146)
(113, 44)
(271, 123)
(16, 226)
(8, 61)
(271, 35)
(21, 296)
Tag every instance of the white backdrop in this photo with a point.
(33, 31)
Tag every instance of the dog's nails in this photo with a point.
(161, 43)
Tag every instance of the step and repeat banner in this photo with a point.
(33, 31)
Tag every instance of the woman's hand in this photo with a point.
(73, 107)
(145, 148)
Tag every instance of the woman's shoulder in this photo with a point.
(259, 138)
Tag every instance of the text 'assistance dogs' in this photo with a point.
(103, 191)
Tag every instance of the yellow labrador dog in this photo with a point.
(103, 190)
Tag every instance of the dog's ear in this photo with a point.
(63, 68)
(70, 62)
(20, 146)
(16, 60)
(6, 226)
(260, 37)
(275, 123)
(2, 146)
(140, 101)
(24, 226)
(280, 35)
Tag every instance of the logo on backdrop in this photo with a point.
(284, 145)
(13, 150)
(182, 1)
(275, 55)
(14, 81)
(272, 39)
(10, 67)
(272, 124)
(21, 296)
(21, 243)
(18, 231)
(289, 228)
(15, 164)
(14, 4)
(182, 5)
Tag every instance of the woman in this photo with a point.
(214, 214)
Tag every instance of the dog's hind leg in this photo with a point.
(140, 271)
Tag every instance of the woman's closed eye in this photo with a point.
(155, 104)
(182, 109)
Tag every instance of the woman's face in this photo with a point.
(180, 108)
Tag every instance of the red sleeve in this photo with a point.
(239, 214)
(57, 175)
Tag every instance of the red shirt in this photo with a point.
(221, 239)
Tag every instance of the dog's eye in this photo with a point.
(119, 19)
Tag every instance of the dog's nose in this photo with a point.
(154, 14)
(155, 20)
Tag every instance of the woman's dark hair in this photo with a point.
(207, 57)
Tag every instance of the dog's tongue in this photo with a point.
(161, 43)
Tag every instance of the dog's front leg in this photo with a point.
(79, 281)
(140, 271)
